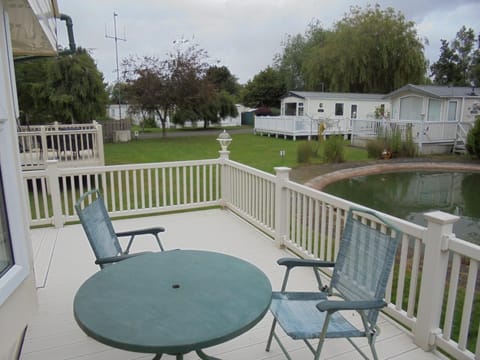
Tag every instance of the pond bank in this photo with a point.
(318, 176)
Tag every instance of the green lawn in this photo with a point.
(260, 152)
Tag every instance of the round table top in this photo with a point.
(172, 302)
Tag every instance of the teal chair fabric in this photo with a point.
(98, 227)
(360, 275)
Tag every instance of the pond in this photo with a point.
(408, 195)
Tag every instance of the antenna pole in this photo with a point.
(116, 38)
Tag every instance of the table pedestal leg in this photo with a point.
(204, 356)
(177, 357)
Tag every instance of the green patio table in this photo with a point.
(172, 302)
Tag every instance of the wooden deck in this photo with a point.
(63, 260)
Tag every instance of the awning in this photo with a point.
(33, 27)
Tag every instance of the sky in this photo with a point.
(243, 35)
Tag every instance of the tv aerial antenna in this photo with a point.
(116, 38)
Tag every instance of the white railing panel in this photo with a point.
(127, 189)
(305, 220)
(243, 193)
(71, 145)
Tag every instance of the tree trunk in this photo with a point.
(163, 120)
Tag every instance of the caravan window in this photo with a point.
(339, 109)
(353, 111)
(300, 109)
(6, 255)
(411, 108)
(291, 109)
(434, 110)
(452, 111)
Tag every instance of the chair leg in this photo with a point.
(371, 342)
(321, 340)
(284, 350)
(270, 336)
(159, 242)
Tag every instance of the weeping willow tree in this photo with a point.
(68, 89)
(370, 50)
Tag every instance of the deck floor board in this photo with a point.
(54, 335)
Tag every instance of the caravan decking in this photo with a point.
(64, 260)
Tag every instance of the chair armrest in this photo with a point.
(294, 262)
(114, 259)
(291, 263)
(336, 305)
(132, 233)
(153, 231)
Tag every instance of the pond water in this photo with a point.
(408, 195)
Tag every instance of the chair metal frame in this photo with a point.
(360, 275)
(96, 222)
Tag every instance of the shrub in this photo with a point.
(395, 141)
(408, 148)
(391, 141)
(149, 123)
(304, 152)
(375, 148)
(334, 150)
(473, 139)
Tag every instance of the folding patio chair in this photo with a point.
(360, 275)
(100, 232)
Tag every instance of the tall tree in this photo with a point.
(148, 87)
(369, 50)
(116, 93)
(223, 80)
(292, 62)
(265, 89)
(373, 51)
(67, 89)
(77, 89)
(32, 91)
(444, 70)
(458, 63)
(177, 86)
(475, 68)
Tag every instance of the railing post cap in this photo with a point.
(224, 154)
(282, 173)
(440, 217)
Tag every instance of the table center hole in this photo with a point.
(176, 286)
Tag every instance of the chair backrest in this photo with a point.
(98, 227)
(365, 258)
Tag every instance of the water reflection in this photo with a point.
(408, 195)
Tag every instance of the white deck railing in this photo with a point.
(72, 145)
(422, 132)
(292, 126)
(434, 288)
(426, 132)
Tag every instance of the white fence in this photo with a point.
(302, 126)
(71, 145)
(422, 132)
(434, 289)
(293, 126)
(431, 132)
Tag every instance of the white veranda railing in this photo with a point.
(434, 289)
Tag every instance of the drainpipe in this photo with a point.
(71, 39)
